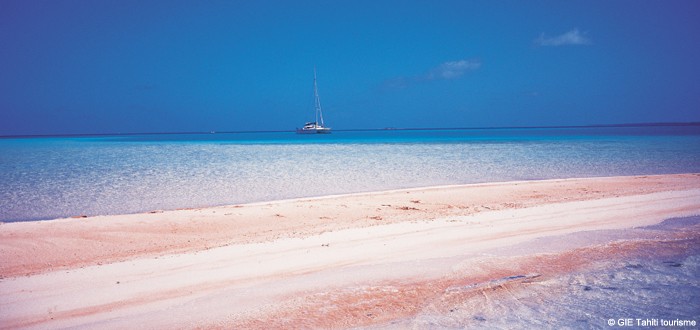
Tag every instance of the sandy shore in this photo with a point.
(336, 261)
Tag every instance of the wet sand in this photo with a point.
(387, 259)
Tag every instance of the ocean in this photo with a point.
(54, 177)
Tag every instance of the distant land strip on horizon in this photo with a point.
(659, 124)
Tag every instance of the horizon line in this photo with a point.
(648, 124)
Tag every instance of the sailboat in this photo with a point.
(317, 126)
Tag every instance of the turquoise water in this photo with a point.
(47, 178)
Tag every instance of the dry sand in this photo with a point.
(336, 261)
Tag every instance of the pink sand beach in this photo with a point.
(378, 260)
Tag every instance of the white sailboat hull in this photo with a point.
(316, 130)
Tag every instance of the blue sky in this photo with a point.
(160, 66)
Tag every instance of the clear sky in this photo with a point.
(119, 66)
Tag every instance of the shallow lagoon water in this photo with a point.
(47, 178)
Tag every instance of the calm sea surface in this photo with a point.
(47, 178)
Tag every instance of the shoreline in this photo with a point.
(29, 247)
(362, 194)
(240, 264)
(349, 195)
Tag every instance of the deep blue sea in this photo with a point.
(54, 177)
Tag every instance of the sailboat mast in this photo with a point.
(317, 101)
